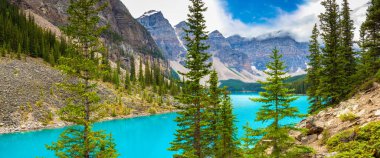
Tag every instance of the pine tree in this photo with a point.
(2, 50)
(276, 99)
(141, 75)
(314, 71)
(332, 76)
(51, 58)
(191, 119)
(19, 52)
(133, 69)
(148, 76)
(370, 44)
(127, 83)
(248, 142)
(227, 144)
(347, 52)
(214, 112)
(83, 105)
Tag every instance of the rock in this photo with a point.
(313, 129)
(163, 33)
(320, 136)
(377, 113)
(355, 107)
(296, 134)
(361, 112)
(309, 139)
(331, 154)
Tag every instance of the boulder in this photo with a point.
(309, 139)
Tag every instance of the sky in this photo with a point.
(251, 18)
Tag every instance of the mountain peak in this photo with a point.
(216, 34)
(276, 34)
(181, 24)
(150, 13)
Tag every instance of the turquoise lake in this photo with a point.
(142, 137)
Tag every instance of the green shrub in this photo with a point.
(152, 110)
(361, 142)
(47, 117)
(325, 136)
(348, 117)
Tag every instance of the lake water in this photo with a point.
(143, 137)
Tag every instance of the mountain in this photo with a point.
(234, 57)
(163, 33)
(124, 31)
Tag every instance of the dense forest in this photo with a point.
(298, 83)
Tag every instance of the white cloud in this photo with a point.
(299, 23)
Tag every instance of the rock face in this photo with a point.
(258, 51)
(243, 58)
(163, 33)
(134, 36)
(365, 106)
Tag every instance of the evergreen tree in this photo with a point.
(127, 83)
(191, 121)
(227, 144)
(313, 72)
(332, 76)
(2, 51)
(276, 99)
(248, 142)
(347, 52)
(148, 76)
(214, 112)
(19, 52)
(141, 75)
(133, 69)
(370, 44)
(83, 105)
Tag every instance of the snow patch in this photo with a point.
(149, 13)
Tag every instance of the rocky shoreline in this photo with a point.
(36, 126)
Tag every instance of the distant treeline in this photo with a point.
(19, 33)
(297, 83)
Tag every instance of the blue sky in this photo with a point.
(250, 18)
(260, 11)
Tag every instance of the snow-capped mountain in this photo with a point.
(233, 57)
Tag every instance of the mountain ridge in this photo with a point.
(234, 57)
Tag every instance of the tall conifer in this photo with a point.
(83, 105)
(133, 69)
(370, 44)
(313, 72)
(332, 76)
(276, 99)
(191, 121)
(227, 144)
(347, 52)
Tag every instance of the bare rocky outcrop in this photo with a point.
(365, 106)
(30, 99)
(163, 33)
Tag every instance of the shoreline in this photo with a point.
(60, 124)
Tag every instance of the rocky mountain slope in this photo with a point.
(29, 97)
(358, 111)
(234, 57)
(163, 33)
(124, 31)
